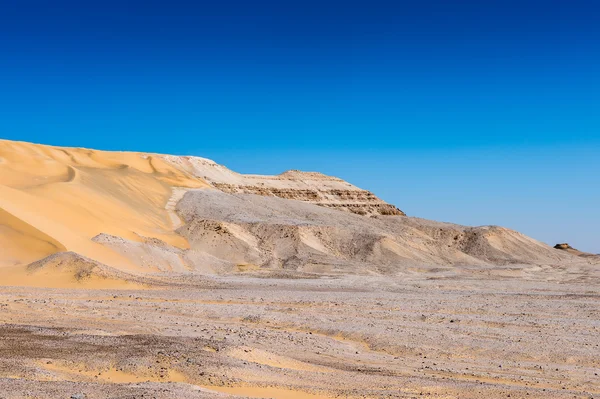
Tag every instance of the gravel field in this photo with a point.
(445, 335)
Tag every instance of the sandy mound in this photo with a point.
(153, 255)
(68, 270)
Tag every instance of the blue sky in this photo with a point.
(483, 112)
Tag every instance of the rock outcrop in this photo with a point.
(567, 248)
(312, 187)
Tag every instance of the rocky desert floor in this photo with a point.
(439, 334)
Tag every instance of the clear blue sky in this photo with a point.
(481, 112)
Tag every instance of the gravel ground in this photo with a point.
(363, 337)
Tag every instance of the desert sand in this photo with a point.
(132, 275)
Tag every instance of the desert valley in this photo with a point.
(135, 275)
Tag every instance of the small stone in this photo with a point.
(78, 396)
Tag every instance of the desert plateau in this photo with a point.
(129, 275)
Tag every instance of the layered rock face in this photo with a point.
(312, 187)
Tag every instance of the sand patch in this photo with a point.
(247, 267)
(269, 392)
(19, 277)
(111, 375)
(270, 359)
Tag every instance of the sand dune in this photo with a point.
(54, 199)
(146, 214)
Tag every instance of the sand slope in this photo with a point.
(55, 199)
(17, 235)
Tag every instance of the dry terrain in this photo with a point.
(452, 333)
(132, 275)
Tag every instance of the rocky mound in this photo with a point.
(276, 233)
(68, 269)
(69, 262)
(567, 248)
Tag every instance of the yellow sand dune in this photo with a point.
(17, 235)
(56, 199)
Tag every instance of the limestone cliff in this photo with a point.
(312, 187)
